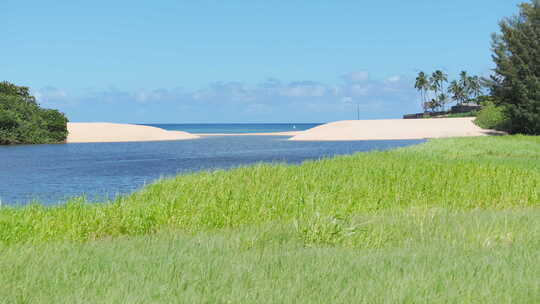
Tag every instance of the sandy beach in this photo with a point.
(388, 129)
(84, 132)
(385, 129)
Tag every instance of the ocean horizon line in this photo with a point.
(233, 128)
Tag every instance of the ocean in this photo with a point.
(50, 174)
(236, 127)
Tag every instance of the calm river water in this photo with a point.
(50, 174)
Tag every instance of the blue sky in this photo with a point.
(240, 61)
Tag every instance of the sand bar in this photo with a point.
(85, 132)
(388, 129)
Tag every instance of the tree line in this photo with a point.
(23, 121)
(436, 94)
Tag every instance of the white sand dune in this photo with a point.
(388, 129)
(84, 132)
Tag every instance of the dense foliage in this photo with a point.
(492, 117)
(23, 121)
(516, 83)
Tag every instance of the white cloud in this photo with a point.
(359, 76)
(304, 89)
(359, 89)
(347, 99)
(394, 78)
(51, 97)
(49, 93)
(271, 100)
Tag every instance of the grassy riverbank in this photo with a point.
(453, 220)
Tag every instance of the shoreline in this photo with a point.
(394, 129)
(179, 223)
(96, 132)
(345, 130)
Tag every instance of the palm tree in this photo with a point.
(475, 86)
(437, 80)
(442, 100)
(464, 81)
(464, 78)
(435, 88)
(440, 79)
(422, 85)
(432, 104)
(457, 91)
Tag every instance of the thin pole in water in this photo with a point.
(358, 111)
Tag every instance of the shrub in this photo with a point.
(492, 117)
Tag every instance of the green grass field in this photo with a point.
(447, 221)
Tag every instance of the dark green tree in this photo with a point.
(515, 84)
(23, 121)
(7, 88)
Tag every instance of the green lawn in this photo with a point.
(453, 220)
